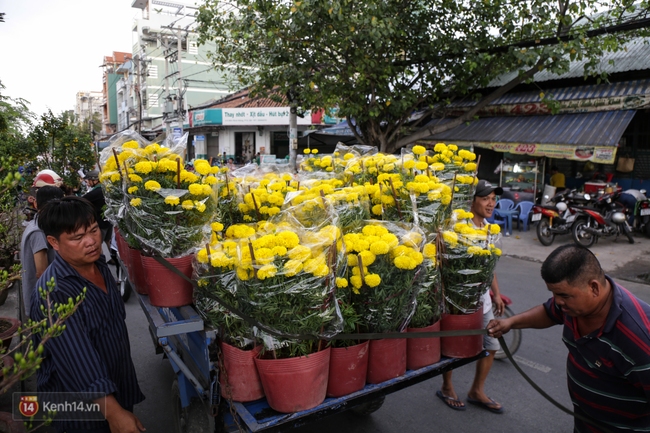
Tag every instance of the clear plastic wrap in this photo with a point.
(383, 261)
(468, 260)
(216, 276)
(285, 276)
(427, 286)
(123, 147)
(164, 206)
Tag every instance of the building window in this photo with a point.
(153, 100)
(152, 71)
(193, 47)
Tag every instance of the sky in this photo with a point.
(52, 49)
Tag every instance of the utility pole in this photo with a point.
(138, 89)
(293, 131)
(167, 97)
(180, 106)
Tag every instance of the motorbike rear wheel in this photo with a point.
(580, 234)
(646, 226)
(628, 233)
(544, 234)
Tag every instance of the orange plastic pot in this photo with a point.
(166, 288)
(243, 383)
(348, 369)
(386, 359)
(295, 384)
(136, 272)
(461, 347)
(421, 352)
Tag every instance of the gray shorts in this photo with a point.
(489, 343)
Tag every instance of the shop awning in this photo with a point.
(583, 136)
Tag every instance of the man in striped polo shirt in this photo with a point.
(92, 356)
(607, 332)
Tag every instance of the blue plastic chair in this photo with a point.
(524, 208)
(505, 204)
(497, 219)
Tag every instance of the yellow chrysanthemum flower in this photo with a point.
(202, 256)
(171, 200)
(372, 280)
(429, 251)
(216, 226)
(409, 164)
(450, 237)
(143, 167)
(135, 202)
(152, 185)
(419, 150)
(404, 262)
(187, 204)
(341, 283)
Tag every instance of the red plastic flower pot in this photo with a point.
(461, 347)
(295, 384)
(166, 287)
(421, 352)
(136, 272)
(348, 369)
(243, 382)
(386, 359)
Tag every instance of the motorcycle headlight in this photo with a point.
(587, 197)
(618, 217)
(561, 206)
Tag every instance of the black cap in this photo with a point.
(485, 188)
(92, 175)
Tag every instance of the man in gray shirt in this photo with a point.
(35, 253)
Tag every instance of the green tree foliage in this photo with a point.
(15, 120)
(379, 61)
(57, 143)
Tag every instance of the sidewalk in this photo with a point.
(618, 258)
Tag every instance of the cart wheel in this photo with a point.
(125, 289)
(370, 407)
(195, 418)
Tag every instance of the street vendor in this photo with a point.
(92, 355)
(607, 333)
(483, 204)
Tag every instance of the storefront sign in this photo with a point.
(209, 116)
(261, 116)
(630, 102)
(596, 154)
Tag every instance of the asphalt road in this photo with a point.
(416, 409)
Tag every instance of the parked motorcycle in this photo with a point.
(642, 215)
(556, 218)
(605, 218)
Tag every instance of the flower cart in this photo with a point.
(184, 338)
(287, 269)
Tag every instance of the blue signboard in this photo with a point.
(209, 116)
